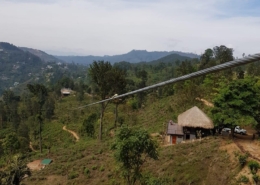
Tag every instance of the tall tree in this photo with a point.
(237, 100)
(118, 81)
(222, 55)
(99, 72)
(207, 59)
(15, 172)
(40, 92)
(143, 75)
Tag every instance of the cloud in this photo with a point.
(113, 27)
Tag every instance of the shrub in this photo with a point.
(243, 179)
(134, 104)
(88, 125)
(253, 166)
(102, 168)
(242, 159)
(73, 175)
(94, 167)
(256, 178)
(86, 171)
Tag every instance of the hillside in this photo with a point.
(18, 67)
(70, 129)
(213, 160)
(171, 58)
(41, 54)
(133, 56)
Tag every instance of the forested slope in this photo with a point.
(94, 159)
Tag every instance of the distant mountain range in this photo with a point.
(21, 65)
(133, 56)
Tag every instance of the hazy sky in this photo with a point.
(108, 27)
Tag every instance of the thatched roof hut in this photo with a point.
(195, 117)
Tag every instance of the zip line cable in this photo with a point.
(227, 65)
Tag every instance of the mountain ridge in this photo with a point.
(19, 65)
(41, 54)
(134, 56)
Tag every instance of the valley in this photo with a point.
(83, 142)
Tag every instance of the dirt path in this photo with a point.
(31, 147)
(247, 145)
(205, 102)
(72, 132)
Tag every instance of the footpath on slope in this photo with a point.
(75, 135)
(247, 145)
(31, 147)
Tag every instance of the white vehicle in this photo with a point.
(239, 130)
(226, 130)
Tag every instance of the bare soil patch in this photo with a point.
(35, 165)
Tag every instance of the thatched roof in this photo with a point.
(194, 117)
(174, 128)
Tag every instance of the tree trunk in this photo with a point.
(40, 139)
(232, 132)
(116, 114)
(101, 120)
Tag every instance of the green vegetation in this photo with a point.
(236, 100)
(242, 159)
(256, 178)
(31, 123)
(19, 67)
(15, 172)
(244, 179)
(132, 147)
(253, 166)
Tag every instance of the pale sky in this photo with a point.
(109, 27)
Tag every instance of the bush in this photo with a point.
(242, 159)
(243, 179)
(134, 104)
(253, 166)
(88, 125)
(148, 179)
(102, 168)
(94, 167)
(256, 178)
(73, 175)
(86, 171)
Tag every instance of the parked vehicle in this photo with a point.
(239, 130)
(226, 130)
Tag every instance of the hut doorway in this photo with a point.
(173, 139)
(187, 136)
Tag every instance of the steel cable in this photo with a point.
(234, 63)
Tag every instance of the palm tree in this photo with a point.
(15, 172)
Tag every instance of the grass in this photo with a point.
(83, 163)
(90, 161)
